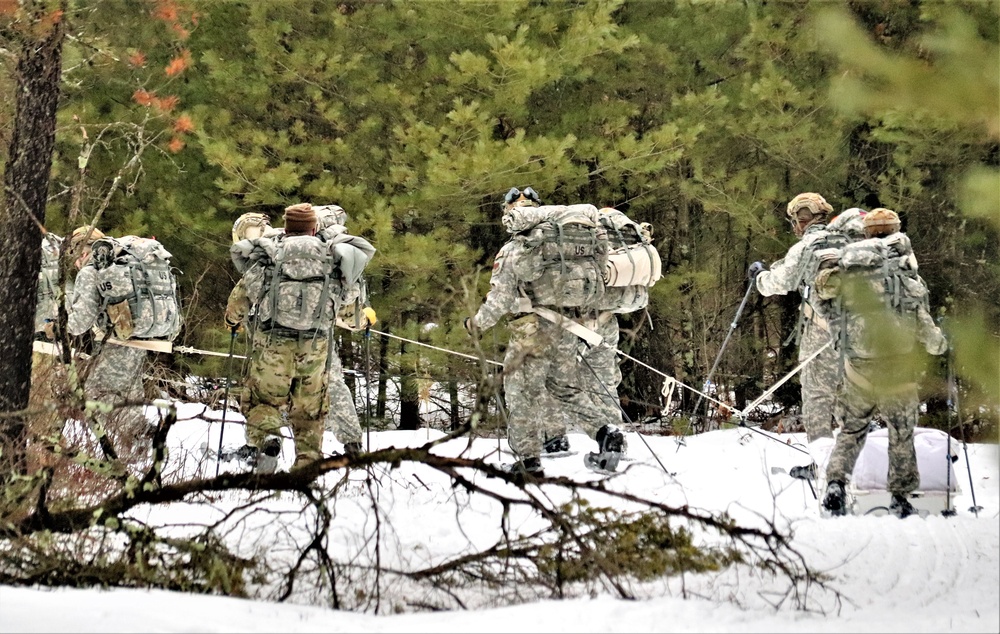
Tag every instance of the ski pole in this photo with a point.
(957, 411)
(725, 342)
(951, 428)
(225, 397)
(368, 383)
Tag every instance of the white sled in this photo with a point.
(867, 494)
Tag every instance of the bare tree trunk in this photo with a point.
(454, 422)
(383, 377)
(409, 395)
(26, 188)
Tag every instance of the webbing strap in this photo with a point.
(578, 329)
(785, 378)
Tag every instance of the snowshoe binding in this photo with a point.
(835, 501)
(901, 507)
(525, 471)
(555, 447)
(611, 447)
(267, 459)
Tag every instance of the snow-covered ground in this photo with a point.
(932, 574)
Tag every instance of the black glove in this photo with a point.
(467, 324)
(754, 269)
(234, 328)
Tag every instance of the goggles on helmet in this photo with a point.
(528, 193)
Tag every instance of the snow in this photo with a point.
(932, 574)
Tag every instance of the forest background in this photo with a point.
(701, 118)
(171, 118)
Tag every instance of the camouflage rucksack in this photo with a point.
(138, 286)
(875, 292)
(633, 263)
(825, 244)
(565, 254)
(46, 308)
(295, 285)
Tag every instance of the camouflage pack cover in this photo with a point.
(633, 263)
(877, 292)
(564, 255)
(137, 271)
(850, 222)
(292, 284)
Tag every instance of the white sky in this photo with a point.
(933, 574)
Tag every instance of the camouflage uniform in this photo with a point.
(542, 374)
(341, 414)
(818, 378)
(874, 382)
(342, 417)
(115, 372)
(605, 379)
(289, 367)
(292, 371)
(46, 306)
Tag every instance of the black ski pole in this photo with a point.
(957, 411)
(368, 382)
(951, 428)
(225, 397)
(725, 342)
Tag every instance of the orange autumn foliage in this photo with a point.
(167, 104)
(175, 145)
(178, 64)
(142, 97)
(183, 124)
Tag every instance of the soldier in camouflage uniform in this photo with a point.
(542, 375)
(46, 304)
(342, 416)
(114, 375)
(807, 213)
(288, 368)
(874, 382)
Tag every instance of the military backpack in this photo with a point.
(565, 254)
(138, 287)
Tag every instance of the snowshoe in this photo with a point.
(524, 470)
(611, 447)
(556, 446)
(246, 453)
(806, 472)
(835, 501)
(901, 507)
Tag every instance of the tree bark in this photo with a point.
(26, 187)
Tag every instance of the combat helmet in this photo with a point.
(806, 209)
(881, 222)
(250, 225)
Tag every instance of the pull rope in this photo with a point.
(427, 345)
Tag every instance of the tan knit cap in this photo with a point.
(811, 201)
(300, 218)
(881, 222)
